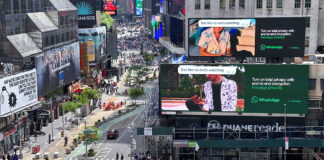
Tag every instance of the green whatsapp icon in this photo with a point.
(263, 47)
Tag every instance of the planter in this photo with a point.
(72, 147)
(67, 150)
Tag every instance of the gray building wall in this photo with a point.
(288, 9)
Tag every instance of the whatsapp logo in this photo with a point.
(254, 99)
(263, 47)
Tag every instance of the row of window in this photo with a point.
(56, 39)
(259, 4)
(279, 4)
(23, 6)
(312, 84)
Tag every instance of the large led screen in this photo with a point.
(256, 37)
(139, 7)
(234, 88)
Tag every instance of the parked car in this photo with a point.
(112, 134)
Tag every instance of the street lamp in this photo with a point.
(52, 118)
(285, 126)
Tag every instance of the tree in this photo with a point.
(106, 19)
(92, 93)
(134, 93)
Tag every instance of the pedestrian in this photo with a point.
(122, 157)
(8, 156)
(15, 157)
(65, 141)
(136, 157)
(49, 138)
(117, 156)
(3, 156)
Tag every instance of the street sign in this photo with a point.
(148, 131)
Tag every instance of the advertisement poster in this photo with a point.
(139, 7)
(18, 91)
(258, 37)
(96, 41)
(234, 88)
(57, 68)
(86, 12)
(109, 6)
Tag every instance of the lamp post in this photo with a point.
(85, 127)
(285, 126)
(52, 118)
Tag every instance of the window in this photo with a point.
(279, 3)
(259, 3)
(269, 3)
(322, 84)
(308, 3)
(61, 20)
(52, 40)
(8, 6)
(16, 7)
(232, 4)
(297, 3)
(197, 4)
(30, 6)
(307, 22)
(207, 4)
(46, 41)
(222, 4)
(23, 6)
(242, 3)
(72, 35)
(311, 84)
(57, 39)
(62, 37)
(67, 36)
(306, 41)
(314, 103)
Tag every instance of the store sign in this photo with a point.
(86, 12)
(246, 127)
(8, 133)
(74, 87)
(139, 7)
(18, 91)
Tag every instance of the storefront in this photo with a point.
(9, 138)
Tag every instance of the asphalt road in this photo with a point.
(108, 148)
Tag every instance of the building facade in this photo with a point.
(311, 9)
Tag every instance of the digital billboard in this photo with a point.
(234, 88)
(109, 6)
(139, 7)
(86, 12)
(96, 40)
(57, 68)
(255, 37)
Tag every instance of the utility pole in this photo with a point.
(52, 120)
(285, 126)
(85, 127)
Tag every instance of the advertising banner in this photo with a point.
(18, 91)
(109, 6)
(257, 37)
(86, 12)
(234, 88)
(96, 41)
(139, 7)
(57, 68)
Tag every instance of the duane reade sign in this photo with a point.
(18, 91)
(246, 127)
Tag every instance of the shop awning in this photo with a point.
(42, 21)
(24, 44)
(22, 108)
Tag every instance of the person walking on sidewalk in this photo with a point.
(122, 157)
(65, 141)
(117, 156)
(3, 156)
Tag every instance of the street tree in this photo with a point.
(134, 93)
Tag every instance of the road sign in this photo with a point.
(286, 143)
(148, 131)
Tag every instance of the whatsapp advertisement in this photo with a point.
(234, 88)
(247, 37)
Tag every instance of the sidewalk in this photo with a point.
(58, 144)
